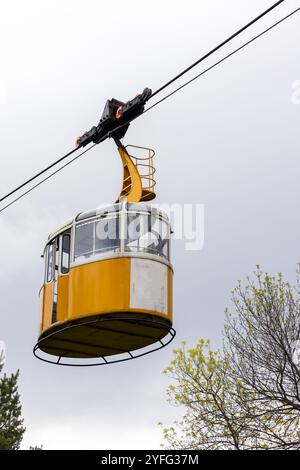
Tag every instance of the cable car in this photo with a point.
(107, 290)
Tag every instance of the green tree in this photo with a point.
(245, 396)
(11, 422)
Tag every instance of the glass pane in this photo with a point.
(56, 244)
(50, 263)
(107, 236)
(45, 257)
(84, 240)
(138, 234)
(65, 256)
(161, 234)
(148, 234)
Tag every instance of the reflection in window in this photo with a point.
(147, 233)
(107, 234)
(138, 231)
(50, 263)
(96, 237)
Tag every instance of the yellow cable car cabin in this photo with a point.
(107, 291)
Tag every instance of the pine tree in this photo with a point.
(11, 421)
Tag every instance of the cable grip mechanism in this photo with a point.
(115, 119)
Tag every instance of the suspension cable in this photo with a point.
(208, 54)
(146, 110)
(222, 60)
(47, 178)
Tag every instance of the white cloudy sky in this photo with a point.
(229, 141)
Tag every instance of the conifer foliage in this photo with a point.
(11, 421)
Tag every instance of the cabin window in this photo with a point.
(146, 233)
(96, 237)
(84, 240)
(56, 244)
(107, 237)
(50, 253)
(65, 254)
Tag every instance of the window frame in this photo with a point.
(63, 235)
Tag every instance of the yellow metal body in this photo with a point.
(104, 289)
(121, 301)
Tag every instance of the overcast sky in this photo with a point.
(229, 141)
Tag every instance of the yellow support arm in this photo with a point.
(132, 187)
